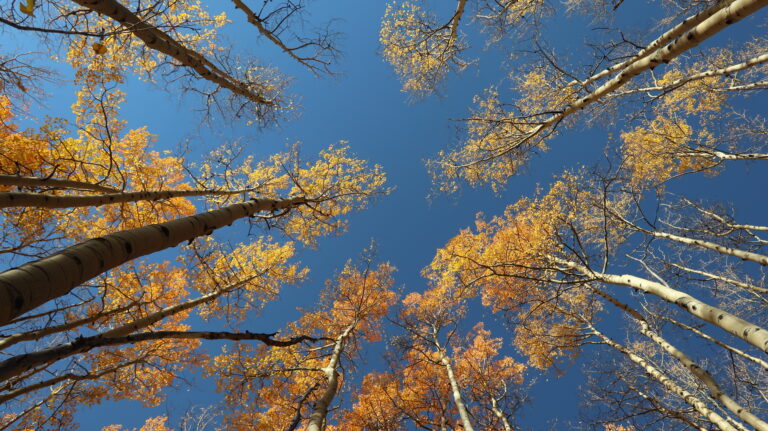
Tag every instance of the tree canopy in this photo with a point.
(174, 176)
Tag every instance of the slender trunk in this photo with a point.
(724, 17)
(500, 415)
(20, 363)
(457, 399)
(728, 347)
(42, 200)
(156, 39)
(753, 334)
(19, 391)
(754, 61)
(33, 284)
(711, 276)
(741, 254)
(40, 333)
(320, 411)
(127, 328)
(460, 6)
(715, 390)
(658, 405)
(19, 181)
(667, 382)
(662, 40)
(158, 315)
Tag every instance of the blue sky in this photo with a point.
(364, 105)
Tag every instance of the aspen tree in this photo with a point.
(502, 135)
(295, 386)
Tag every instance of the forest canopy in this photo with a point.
(407, 215)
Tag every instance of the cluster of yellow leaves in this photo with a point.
(486, 156)
(542, 92)
(667, 145)
(256, 270)
(421, 53)
(660, 149)
(509, 260)
(335, 184)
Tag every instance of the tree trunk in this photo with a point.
(33, 284)
(668, 383)
(19, 181)
(741, 254)
(320, 411)
(753, 334)
(158, 40)
(42, 200)
(701, 374)
(499, 414)
(724, 17)
(20, 363)
(460, 406)
(662, 40)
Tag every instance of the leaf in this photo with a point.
(98, 48)
(28, 8)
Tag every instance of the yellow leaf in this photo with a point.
(97, 47)
(28, 8)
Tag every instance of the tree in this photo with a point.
(546, 264)
(501, 136)
(288, 388)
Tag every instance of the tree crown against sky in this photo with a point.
(122, 271)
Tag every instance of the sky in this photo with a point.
(364, 106)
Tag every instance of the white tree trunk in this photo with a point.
(668, 383)
(158, 40)
(753, 334)
(724, 17)
(42, 200)
(741, 254)
(35, 283)
(715, 390)
(320, 411)
(19, 181)
(460, 406)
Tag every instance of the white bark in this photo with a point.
(460, 406)
(320, 411)
(715, 390)
(728, 347)
(711, 276)
(760, 59)
(20, 181)
(35, 283)
(668, 383)
(158, 40)
(741, 254)
(708, 27)
(42, 200)
(753, 334)
(500, 415)
(662, 40)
